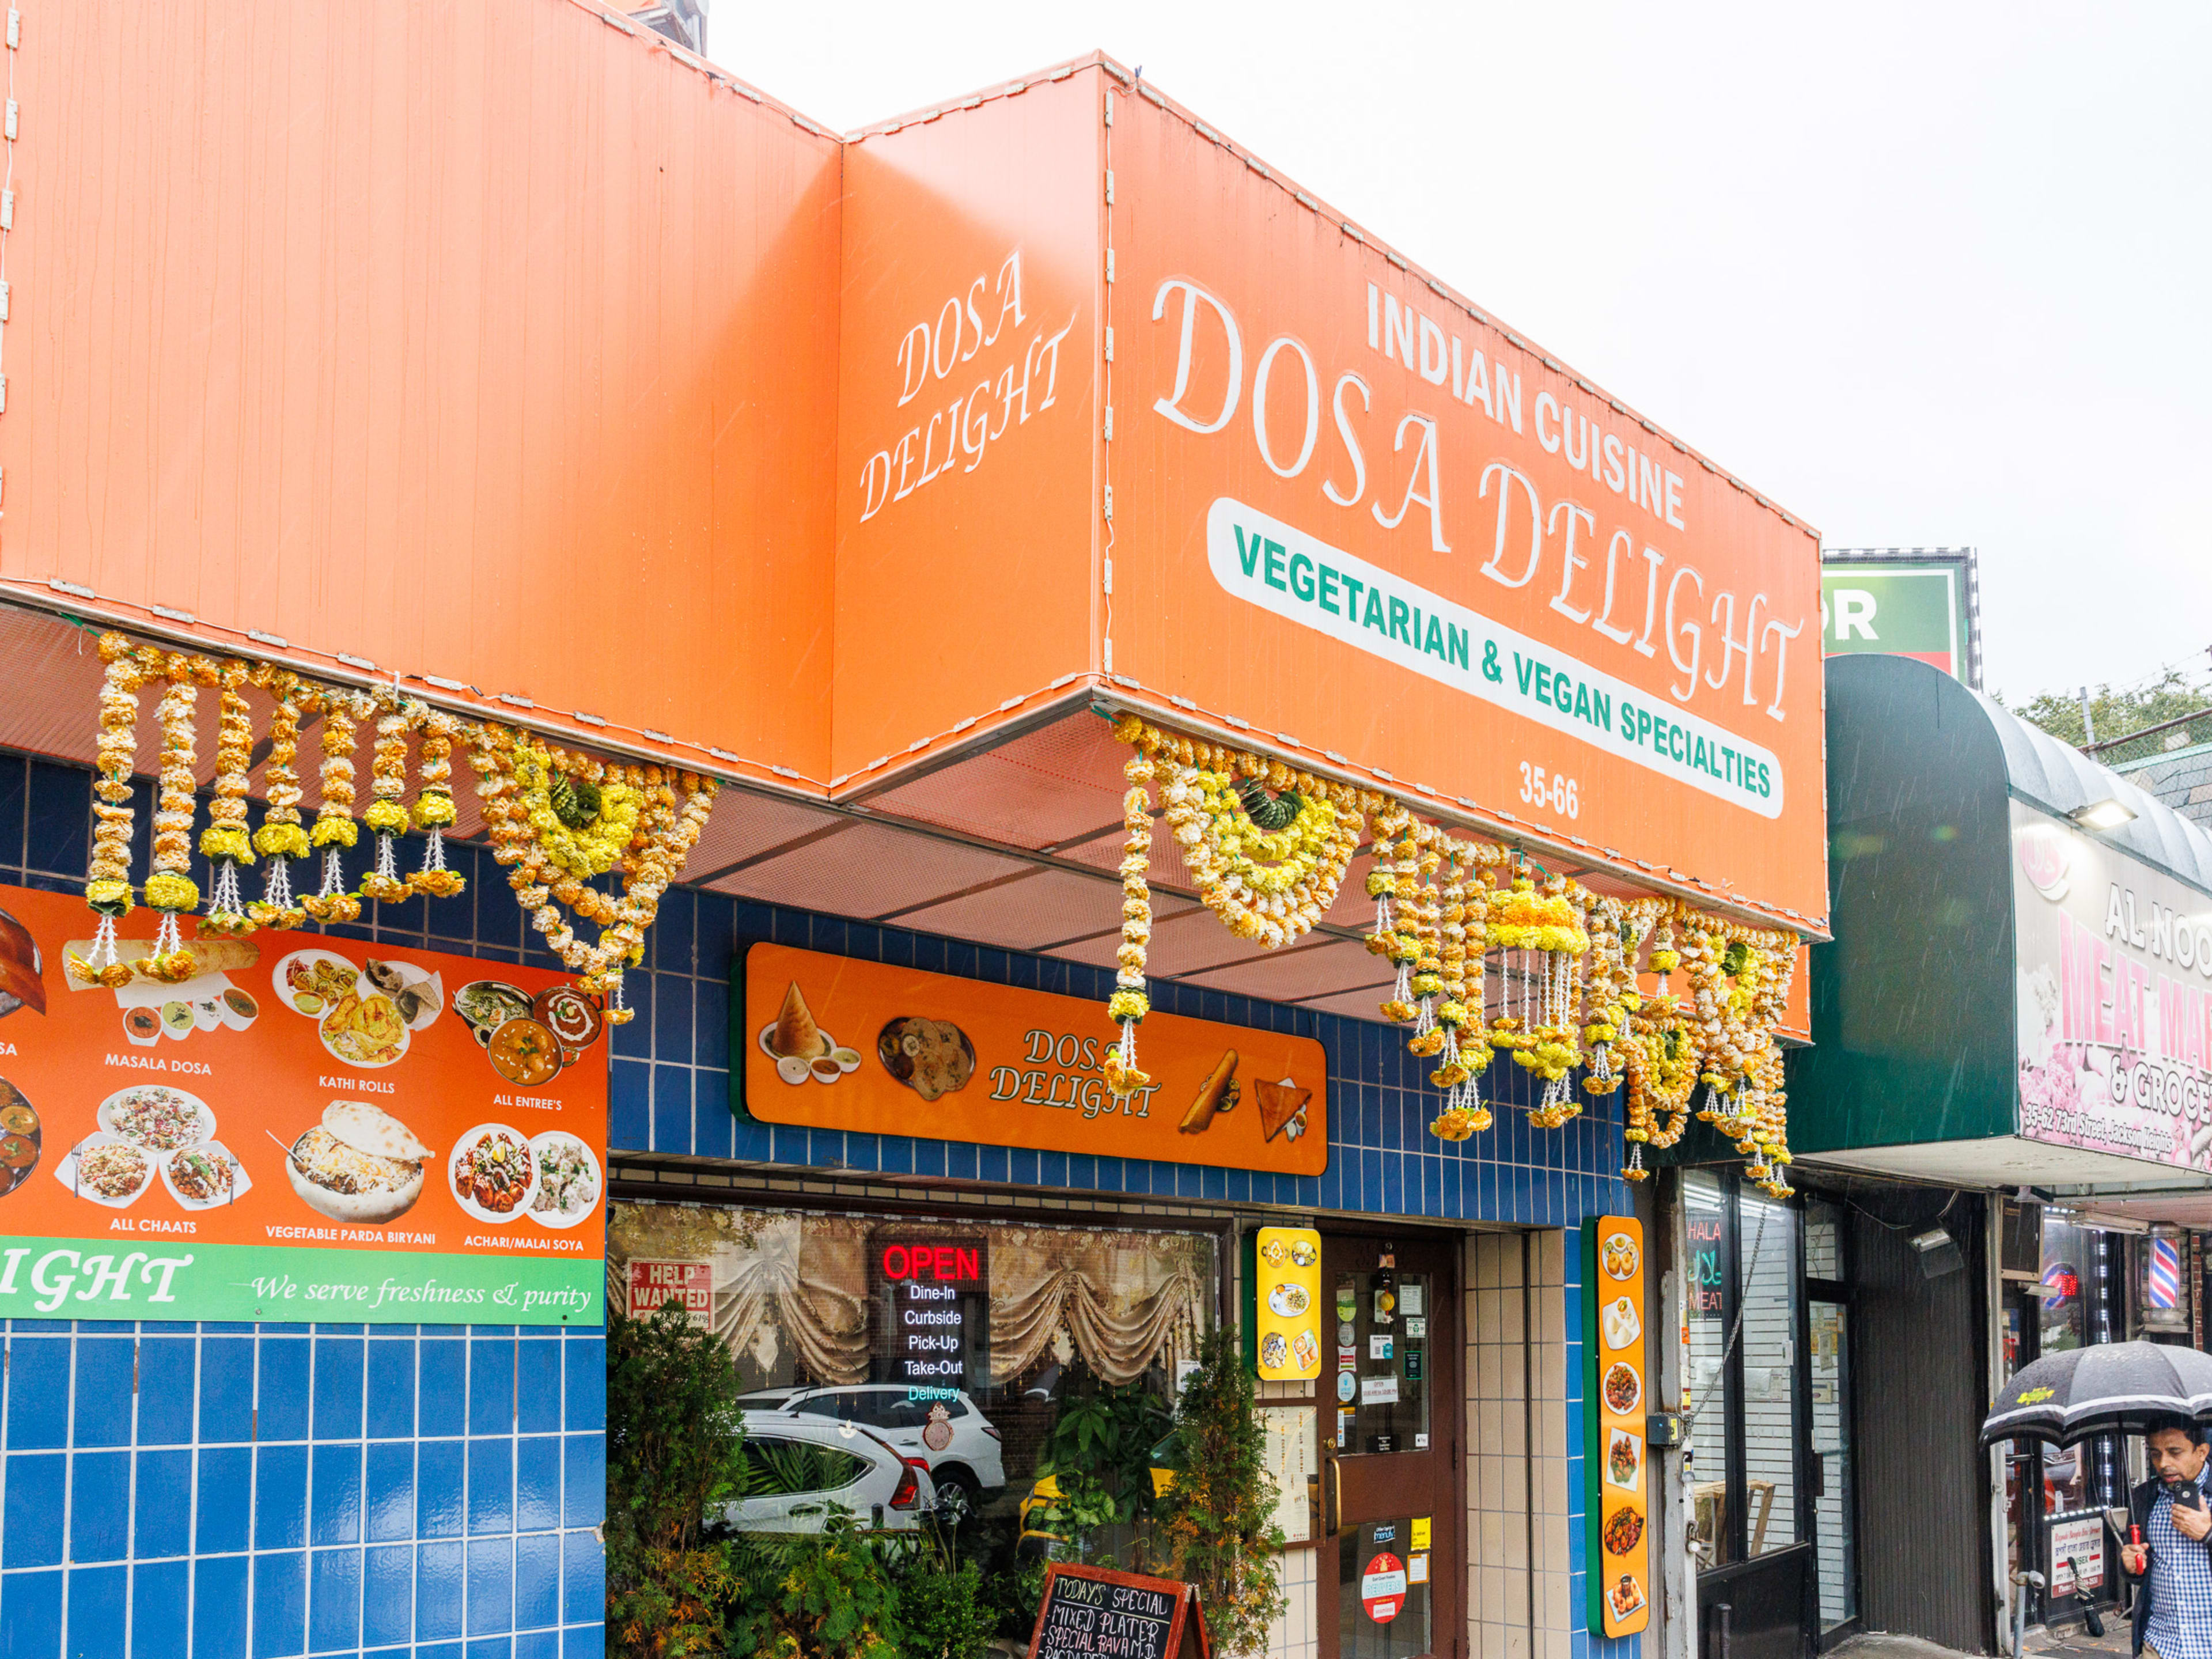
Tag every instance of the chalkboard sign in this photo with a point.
(1093, 1612)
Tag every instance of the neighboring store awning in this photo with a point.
(2012, 997)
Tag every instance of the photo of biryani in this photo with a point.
(158, 1118)
(114, 1173)
(1274, 1353)
(568, 1180)
(1624, 1530)
(359, 1165)
(492, 1172)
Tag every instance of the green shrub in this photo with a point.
(673, 1455)
(1217, 1523)
(945, 1612)
(813, 1596)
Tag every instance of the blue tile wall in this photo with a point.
(245, 1492)
(279, 1490)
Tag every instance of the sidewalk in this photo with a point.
(2071, 1643)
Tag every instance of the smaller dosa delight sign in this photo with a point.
(309, 1128)
(837, 1043)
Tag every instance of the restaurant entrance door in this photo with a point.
(1393, 1563)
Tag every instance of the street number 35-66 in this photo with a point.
(1552, 790)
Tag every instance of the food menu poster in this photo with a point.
(1285, 1301)
(1615, 1385)
(836, 1042)
(307, 1128)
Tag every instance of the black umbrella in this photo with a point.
(2114, 1387)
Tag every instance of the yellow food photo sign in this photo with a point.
(1616, 1395)
(1286, 1300)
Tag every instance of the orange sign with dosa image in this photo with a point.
(835, 1044)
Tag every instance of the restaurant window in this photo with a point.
(977, 1347)
(2083, 1296)
(1744, 1312)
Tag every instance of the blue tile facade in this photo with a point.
(278, 1490)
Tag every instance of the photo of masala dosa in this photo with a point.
(1219, 1093)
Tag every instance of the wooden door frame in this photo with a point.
(1448, 1547)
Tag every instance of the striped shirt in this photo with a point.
(2181, 1582)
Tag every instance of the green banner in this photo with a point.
(1906, 609)
(82, 1279)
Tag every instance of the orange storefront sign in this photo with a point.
(835, 1044)
(1316, 502)
(483, 340)
(1348, 509)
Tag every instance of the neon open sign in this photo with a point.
(935, 1264)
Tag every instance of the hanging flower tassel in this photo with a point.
(387, 813)
(1129, 1004)
(433, 811)
(169, 888)
(280, 839)
(107, 891)
(225, 842)
(335, 829)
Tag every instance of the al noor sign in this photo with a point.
(309, 1128)
(2114, 998)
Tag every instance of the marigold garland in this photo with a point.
(225, 843)
(108, 888)
(648, 862)
(1252, 831)
(334, 830)
(434, 806)
(280, 840)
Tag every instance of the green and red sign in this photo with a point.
(1918, 604)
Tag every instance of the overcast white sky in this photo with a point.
(1925, 275)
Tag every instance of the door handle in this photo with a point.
(1332, 1511)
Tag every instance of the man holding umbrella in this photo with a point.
(2163, 1392)
(2171, 1513)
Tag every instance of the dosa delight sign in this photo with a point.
(834, 1043)
(2114, 1003)
(309, 1128)
(1260, 476)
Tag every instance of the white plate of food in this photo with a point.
(568, 1181)
(204, 1177)
(1288, 1301)
(1623, 1457)
(309, 981)
(157, 1117)
(418, 993)
(107, 1170)
(1623, 1389)
(364, 1028)
(1621, 1322)
(1621, 1256)
(485, 1004)
(493, 1175)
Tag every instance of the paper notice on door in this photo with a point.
(1417, 1568)
(1412, 1299)
(1419, 1540)
(1378, 1390)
